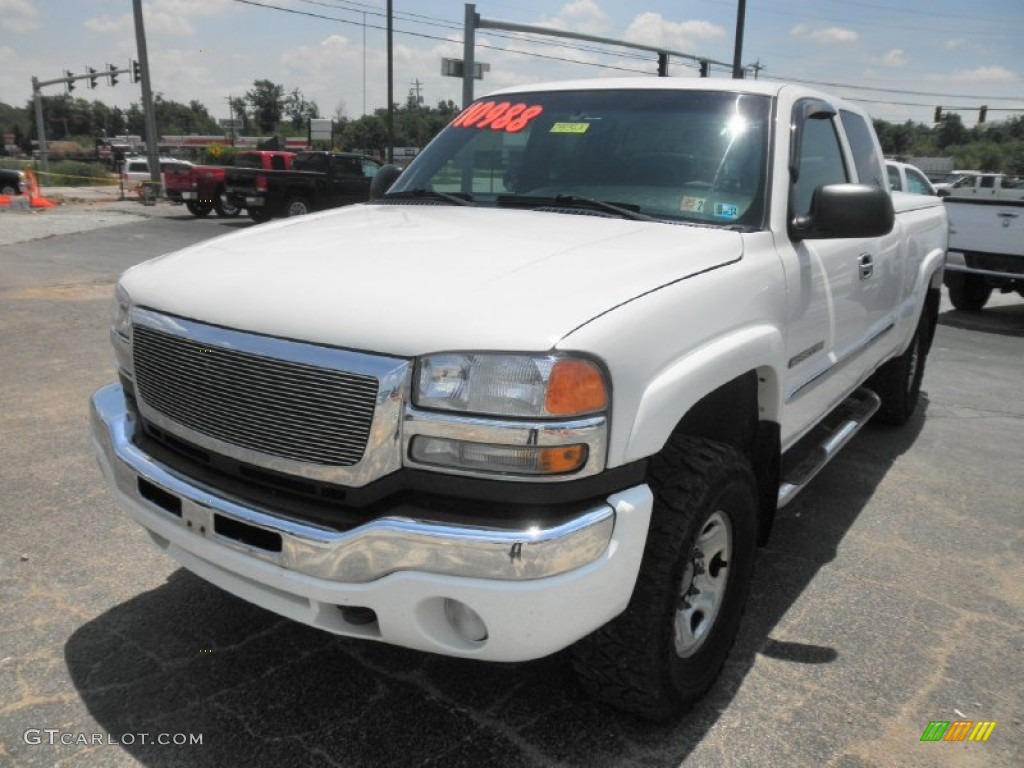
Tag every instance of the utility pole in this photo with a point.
(468, 53)
(391, 90)
(417, 88)
(37, 97)
(152, 148)
(757, 66)
(737, 54)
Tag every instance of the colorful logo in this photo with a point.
(958, 730)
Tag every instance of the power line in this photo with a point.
(435, 37)
(899, 90)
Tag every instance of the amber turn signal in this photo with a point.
(574, 387)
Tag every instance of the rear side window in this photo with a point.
(137, 166)
(277, 162)
(865, 156)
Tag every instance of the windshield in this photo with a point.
(693, 156)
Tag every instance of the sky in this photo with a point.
(915, 54)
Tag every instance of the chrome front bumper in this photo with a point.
(399, 542)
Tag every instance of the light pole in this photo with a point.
(152, 150)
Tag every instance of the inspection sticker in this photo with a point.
(569, 128)
(727, 211)
(692, 204)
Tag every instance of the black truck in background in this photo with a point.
(317, 180)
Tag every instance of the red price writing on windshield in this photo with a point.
(498, 116)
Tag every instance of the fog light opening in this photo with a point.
(358, 615)
(465, 621)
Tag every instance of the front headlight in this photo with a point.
(531, 386)
(120, 313)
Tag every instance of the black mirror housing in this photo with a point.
(845, 210)
(383, 180)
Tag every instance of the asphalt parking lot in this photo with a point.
(891, 593)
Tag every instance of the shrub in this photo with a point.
(69, 173)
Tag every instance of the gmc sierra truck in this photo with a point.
(546, 390)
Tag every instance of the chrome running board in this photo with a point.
(807, 458)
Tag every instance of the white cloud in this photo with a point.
(983, 75)
(826, 35)
(686, 37)
(584, 16)
(19, 16)
(161, 17)
(952, 45)
(110, 24)
(895, 58)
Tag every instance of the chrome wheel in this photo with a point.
(297, 208)
(703, 586)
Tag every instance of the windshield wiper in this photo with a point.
(625, 210)
(432, 194)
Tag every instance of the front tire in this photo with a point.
(297, 206)
(968, 293)
(198, 209)
(666, 649)
(224, 209)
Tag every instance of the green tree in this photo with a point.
(267, 102)
(298, 109)
(237, 105)
(368, 133)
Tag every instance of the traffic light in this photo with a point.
(93, 77)
(938, 115)
(69, 81)
(662, 65)
(982, 113)
(705, 67)
(136, 73)
(112, 73)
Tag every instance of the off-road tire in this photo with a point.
(968, 293)
(199, 209)
(632, 663)
(10, 191)
(898, 382)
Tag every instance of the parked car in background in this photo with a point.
(12, 182)
(317, 180)
(904, 177)
(136, 170)
(201, 187)
(952, 179)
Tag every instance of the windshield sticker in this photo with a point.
(692, 204)
(498, 116)
(727, 211)
(569, 128)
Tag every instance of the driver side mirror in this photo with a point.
(845, 210)
(383, 180)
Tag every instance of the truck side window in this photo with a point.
(821, 162)
(865, 156)
(277, 162)
(918, 184)
(988, 182)
(894, 179)
(370, 168)
(348, 166)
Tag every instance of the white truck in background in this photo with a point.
(986, 240)
(546, 390)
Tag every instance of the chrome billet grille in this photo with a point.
(277, 407)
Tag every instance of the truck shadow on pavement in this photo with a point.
(1007, 320)
(186, 658)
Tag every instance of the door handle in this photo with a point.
(867, 266)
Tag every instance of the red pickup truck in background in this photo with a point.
(201, 187)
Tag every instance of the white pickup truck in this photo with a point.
(986, 241)
(548, 390)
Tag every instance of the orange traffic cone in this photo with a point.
(35, 199)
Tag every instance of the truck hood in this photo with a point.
(407, 280)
